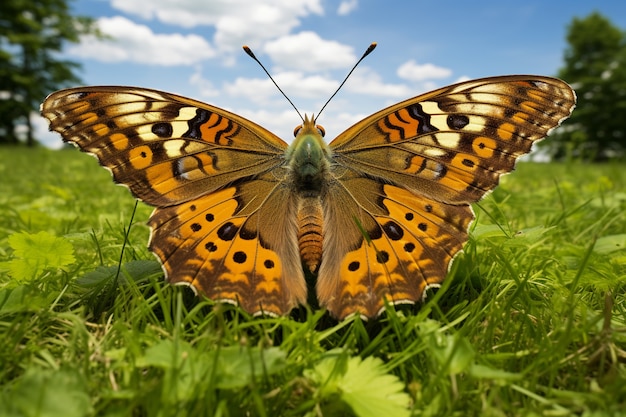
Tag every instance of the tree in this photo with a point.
(595, 66)
(32, 32)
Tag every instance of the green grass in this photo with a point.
(530, 321)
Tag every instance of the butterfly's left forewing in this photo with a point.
(164, 147)
(215, 178)
(421, 163)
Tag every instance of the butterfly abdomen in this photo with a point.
(310, 220)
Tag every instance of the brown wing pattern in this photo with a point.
(406, 176)
(230, 246)
(395, 203)
(215, 179)
(165, 148)
(455, 142)
(403, 244)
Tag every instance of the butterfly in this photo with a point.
(377, 215)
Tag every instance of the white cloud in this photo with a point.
(347, 7)
(336, 123)
(138, 43)
(280, 122)
(293, 83)
(307, 51)
(364, 80)
(283, 122)
(413, 71)
(204, 87)
(236, 22)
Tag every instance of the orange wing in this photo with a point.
(216, 179)
(167, 149)
(406, 176)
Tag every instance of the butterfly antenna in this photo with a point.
(366, 53)
(251, 54)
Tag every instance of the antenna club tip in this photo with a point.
(370, 49)
(247, 49)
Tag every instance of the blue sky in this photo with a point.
(193, 48)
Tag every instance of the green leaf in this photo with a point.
(235, 366)
(46, 393)
(362, 384)
(162, 355)
(36, 253)
(23, 298)
(183, 367)
(137, 270)
(100, 285)
(238, 367)
(486, 372)
(608, 244)
(452, 351)
(529, 236)
(486, 231)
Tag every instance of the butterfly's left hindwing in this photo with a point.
(229, 246)
(216, 179)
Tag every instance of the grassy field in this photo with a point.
(530, 321)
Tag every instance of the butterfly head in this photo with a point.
(308, 155)
(309, 127)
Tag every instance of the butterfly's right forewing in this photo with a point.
(421, 163)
